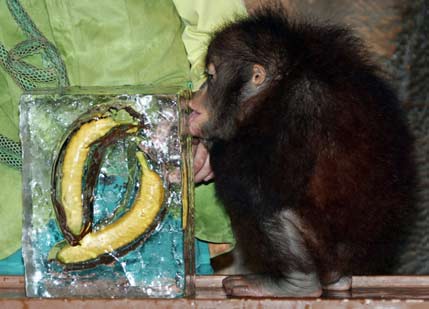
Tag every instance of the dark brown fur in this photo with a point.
(315, 166)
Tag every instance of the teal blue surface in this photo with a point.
(12, 265)
(202, 258)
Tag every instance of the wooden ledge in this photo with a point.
(381, 291)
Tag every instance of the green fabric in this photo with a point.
(201, 17)
(117, 42)
(110, 43)
(211, 221)
(10, 210)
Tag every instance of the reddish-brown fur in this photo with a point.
(315, 169)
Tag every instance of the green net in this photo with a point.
(26, 75)
(10, 152)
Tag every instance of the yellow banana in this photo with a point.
(102, 126)
(73, 168)
(119, 235)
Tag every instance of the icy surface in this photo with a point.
(155, 268)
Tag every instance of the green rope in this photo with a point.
(26, 75)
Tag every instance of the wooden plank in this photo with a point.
(396, 292)
(357, 281)
(12, 282)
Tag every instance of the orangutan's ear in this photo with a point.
(259, 75)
